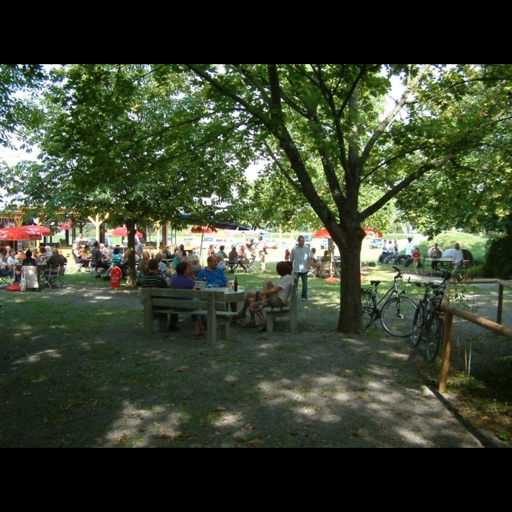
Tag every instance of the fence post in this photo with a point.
(500, 305)
(446, 351)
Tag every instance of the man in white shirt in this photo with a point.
(300, 258)
(409, 247)
(458, 258)
(261, 249)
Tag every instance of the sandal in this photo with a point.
(263, 328)
(240, 316)
(259, 307)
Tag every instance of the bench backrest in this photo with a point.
(161, 301)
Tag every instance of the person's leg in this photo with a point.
(263, 323)
(255, 304)
(249, 298)
(197, 324)
(173, 322)
(304, 278)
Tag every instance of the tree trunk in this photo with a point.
(131, 279)
(350, 317)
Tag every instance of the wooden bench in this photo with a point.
(272, 312)
(160, 302)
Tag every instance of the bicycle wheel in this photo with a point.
(433, 336)
(417, 325)
(368, 308)
(397, 315)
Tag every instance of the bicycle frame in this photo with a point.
(394, 310)
(427, 323)
(392, 290)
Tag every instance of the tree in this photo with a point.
(115, 142)
(330, 144)
(307, 117)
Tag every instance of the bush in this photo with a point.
(498, 262)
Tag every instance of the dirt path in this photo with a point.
(97, 382)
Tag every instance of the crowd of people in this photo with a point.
(12, 261)
(412, 255)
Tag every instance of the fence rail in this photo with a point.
(485, 323)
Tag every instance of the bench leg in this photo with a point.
(163, 322)
(270, 322)
(224, 329)
(294, 324)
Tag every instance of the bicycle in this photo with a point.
(427, 325)
(394, 310)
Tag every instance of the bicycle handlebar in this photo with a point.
(398, 273)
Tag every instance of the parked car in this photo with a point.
(376, 243)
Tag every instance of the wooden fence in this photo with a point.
(485, 323)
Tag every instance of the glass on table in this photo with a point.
(200, 285)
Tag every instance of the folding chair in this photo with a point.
(80, 263)
(95, 270)
(29, 278)
(6, 276)
(249, 267)
(232, 266)
(53, 276)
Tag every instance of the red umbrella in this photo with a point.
(201, 229)
(371, 233)
(122, 232)
(17, 234)
(323, 233)
(39, 230)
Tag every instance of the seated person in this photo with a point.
(325, 261)
(28, 260)
(181, 281)
(274, 295)
(435, 253)
(116, 260)
(105, 251)
(9, 268)
(221, 262)
(43, 255)
(178, 256)
(143, 263)
(315, 264)
(233, 258)
(168, 254)
(97, 259)
(57, 259)
(153, 279)
(222, 252)
(78, 255)
(212, 274)
(193, 262)
(117, 257)
(164, 269)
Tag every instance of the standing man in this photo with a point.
(458, 258)
(261, 249)
(409, 247)
(435, 253)
(300, 258)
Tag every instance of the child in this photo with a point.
(416, 259)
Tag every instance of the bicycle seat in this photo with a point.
(375, 283)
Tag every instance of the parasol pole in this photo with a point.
(201, 249)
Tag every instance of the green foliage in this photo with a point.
(15, 78)
(498, 262)
(475, 244)
(142, 142)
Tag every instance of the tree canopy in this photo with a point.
(143, 142)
